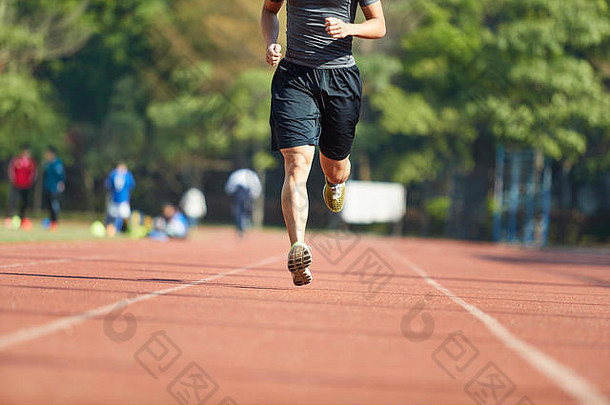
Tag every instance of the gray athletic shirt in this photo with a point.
(308, 42)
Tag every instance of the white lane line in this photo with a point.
(9, 266)
(564, 377)
(35, 332)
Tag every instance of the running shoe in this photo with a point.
(334, 195)
(299, 260)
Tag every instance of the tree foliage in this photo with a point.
(180, 85)
(525, 74)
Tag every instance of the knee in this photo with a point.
(336, 177)
(338, 173)
(296, 165)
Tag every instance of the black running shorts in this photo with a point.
(319, 107)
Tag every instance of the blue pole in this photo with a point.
(498, 194)
(528, 232)
(546, 202)
(513, 203)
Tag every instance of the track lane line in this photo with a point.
(32, 263)
(28, 334)
(563, 376)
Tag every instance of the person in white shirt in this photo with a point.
(193, 206)
(244, 186)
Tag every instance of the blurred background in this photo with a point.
(494, 114)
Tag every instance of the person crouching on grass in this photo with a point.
(171, 225)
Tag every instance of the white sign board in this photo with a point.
(368, 202)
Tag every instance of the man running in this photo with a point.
(315, 101)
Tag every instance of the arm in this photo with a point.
(61, 173)
(372, 28)
(61, 184)
(34, 172)
(11, 171)
(270, 25)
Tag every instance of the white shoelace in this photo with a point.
(336, 189)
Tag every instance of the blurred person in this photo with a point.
(315, 101)
(171, 225)
(244, 186)
(119, 184)
(22, 175)
(193, 205)
(53, 184)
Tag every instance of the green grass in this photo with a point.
(74, 226)
(67, 230)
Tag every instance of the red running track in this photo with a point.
(217, 320)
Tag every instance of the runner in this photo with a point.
(315, 101)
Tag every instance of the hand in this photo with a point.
(274, 54)
(61, 186)
(337, 28)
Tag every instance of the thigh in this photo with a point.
(124, 210)
(295, 115)
(113, 209)
(342, 99)
(298, 158)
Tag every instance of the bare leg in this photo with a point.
(336, 171)
(295, 204)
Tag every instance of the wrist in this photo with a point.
(352, 29)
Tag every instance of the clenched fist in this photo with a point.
(337, 28)
(274, 54)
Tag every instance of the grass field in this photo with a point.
(69, 230)
(74, 228)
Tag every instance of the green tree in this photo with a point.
(32, 33)
(473, 74)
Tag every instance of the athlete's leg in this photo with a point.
(295, 205)
(336, 171)
(342, 94)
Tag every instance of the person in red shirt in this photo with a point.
(22, 174)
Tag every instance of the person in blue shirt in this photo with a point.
(53, 184)
(173, 224)
(119, 184)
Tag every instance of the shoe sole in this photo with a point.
(299, 259)
(301, 278)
